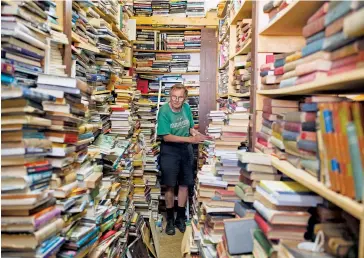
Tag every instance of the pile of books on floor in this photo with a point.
(273, 8)
(333, 46)
(195, 8)
(160, 7)
(242, 73)
(243, 34)
(142, 8)
(192, 39)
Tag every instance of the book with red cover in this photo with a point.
(269, 59)
(279, 71)
(279, 232)
(299, 127)
(142, 85)
(319, 13)
(310, 77)
(264, 142)
(342, 69)
(348, 60)
(314, 27)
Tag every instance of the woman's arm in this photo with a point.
(190, 139)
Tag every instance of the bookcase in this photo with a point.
(282, 33)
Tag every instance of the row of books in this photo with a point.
(333, 46)
(224, 53)
(304, 133)
(172, 40)
(243, 34)
(177, 8)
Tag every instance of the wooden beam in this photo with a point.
(208, 75)
(210, 20)
(255, 73)
(67, 29)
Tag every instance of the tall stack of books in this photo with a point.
(146, 39)
(174, 40)
(192, 39)
(217, 121)
(242, 73)
(30, 221)
(160, 7)
(243, 34)
(223, 83)
(142, 8)
(195, 8)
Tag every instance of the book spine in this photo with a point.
(319, 13)
(290, 136)
(335, 27)
(262, 224)
(313, 27)
(307, 145)
(313, 47)
(288, 82)
(317, 36)
(356, 162)
(293, 127)
(47, 217)
(338, 11)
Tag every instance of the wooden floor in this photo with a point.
(170, 246)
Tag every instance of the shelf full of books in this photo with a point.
(308, 101)
(74, 142)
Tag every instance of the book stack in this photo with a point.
(254, 167)
(142, 8)
(192, 39)
(242, 73)
(178, 8)
(270, 138)
(195, 8)
(217, 121)
(23, 49)
(146, 40)
(273, 8)
(243, 34)
(174, 40)
(273, 72)
(223, 84)
(30, 221)
(56, 66)
(160, 7)
(282, 209)
(223, 29)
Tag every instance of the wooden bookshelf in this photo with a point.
(167, 29)
(354, 208)
(352, 81)
(187, 73)
(164, 95)
(169, 51)
(291, 20)
(245, 11)
(225, 4)
(210, 20)
(224, 65)
(245, 50)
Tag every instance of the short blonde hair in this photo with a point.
(180, 86)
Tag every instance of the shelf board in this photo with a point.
(169, 51)
(245, 50)
(167, 29)
(210, 20)
(222, 95)
(240, 95)
(291, 20)
(345, 82)
(244, 12)
(224, 65)
(187, 73)
(354, 208)
(222, 14)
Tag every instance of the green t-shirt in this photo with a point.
(175, 123)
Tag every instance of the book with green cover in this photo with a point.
(264, 243)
